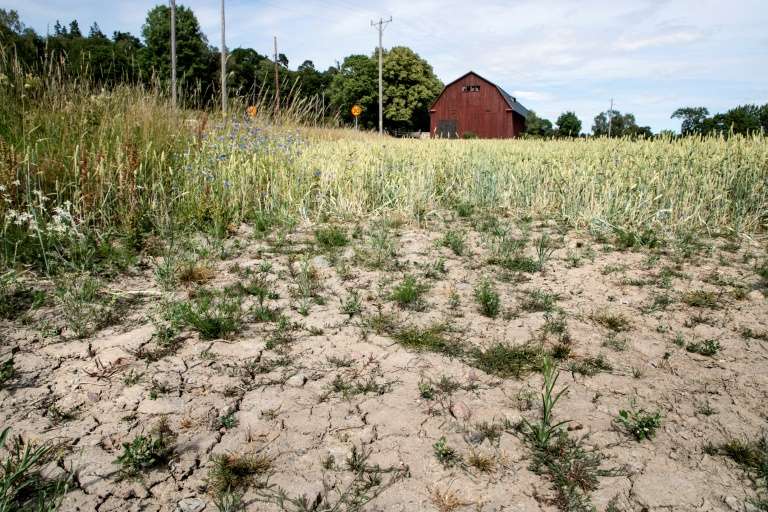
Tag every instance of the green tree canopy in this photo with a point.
(355, 83)
(694, 120)
(622, 125)
(568, 125)
(538, 126)
(192, 53)
(410, 87)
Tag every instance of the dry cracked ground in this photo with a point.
(390, 366)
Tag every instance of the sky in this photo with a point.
(649, 56)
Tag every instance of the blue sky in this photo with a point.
(650, 56)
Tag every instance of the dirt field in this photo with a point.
(369, 367)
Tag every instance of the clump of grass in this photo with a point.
(23, 484)
(505, 360)
(213, 314)
(590, 366)
(616, 343)
(701, 299)
(633, 238)
(616, 322)
(709, 347)
(145, 452)
(641, 424)
(235, 472)
(409, 294)
(481, 461)
(429, 339)
(538, 300)
(331, 237)
(83, 304)
(454, 240)
(487, 298)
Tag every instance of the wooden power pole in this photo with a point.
(380, 26)
(173, 53)
(277, 81)
(223, 62)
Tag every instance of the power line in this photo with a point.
(380, 27)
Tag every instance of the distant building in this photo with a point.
(471, 106)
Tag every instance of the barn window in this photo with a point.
(470, 88)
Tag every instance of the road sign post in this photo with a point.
(356, 111)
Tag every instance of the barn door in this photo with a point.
(446, 129)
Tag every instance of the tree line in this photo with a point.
(410, 82)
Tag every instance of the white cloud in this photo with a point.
(664, 39)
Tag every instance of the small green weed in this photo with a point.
(409, 294)
(487, 298)
(23, 484)
(352, 305)
(701, 299)
(538, 300)
(446, 455)
(708, 347)
(641, 424)
(454, 240)
(146, 452)
(590, 366)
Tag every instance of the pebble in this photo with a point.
(297, 380)
(190, 505)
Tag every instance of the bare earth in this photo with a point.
(338, 381)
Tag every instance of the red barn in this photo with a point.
(473, 106)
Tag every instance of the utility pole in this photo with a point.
(223, 63)
(173, 53)
(610, 113)
(380, 26)
(277, 82)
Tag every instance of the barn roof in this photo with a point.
(511, 100)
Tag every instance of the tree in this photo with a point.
(537, 126)
(621, 125)
(59, 30)
(355, 83)
(568, 125)
(74, 30)
(410, 87)
(193, 57)
(744, 120)
(95, 32)
(693, 120)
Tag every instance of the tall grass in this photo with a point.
(87, 172)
